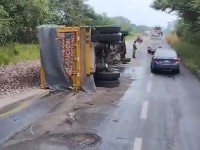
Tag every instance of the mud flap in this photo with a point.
(89, 85)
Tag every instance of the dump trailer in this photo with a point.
(66, 58)
(80, 57)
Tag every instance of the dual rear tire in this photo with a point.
(107, 79)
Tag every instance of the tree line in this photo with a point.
(188, 26)
(19, 18)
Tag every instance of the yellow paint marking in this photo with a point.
(19, 108)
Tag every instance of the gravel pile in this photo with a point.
(19, 77)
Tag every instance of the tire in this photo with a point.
(106, 38)
(126, 60)
(107, 30)
(177, 71)
(153, 70)
(107, 84)
(107, 76)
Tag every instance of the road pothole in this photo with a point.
(87, 139)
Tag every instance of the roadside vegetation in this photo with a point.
(131, 36)
(19, 19)
(14, 53)
(189, 53)
(187, 27)
(185, 33)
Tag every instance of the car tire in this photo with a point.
(107, 30)
(106, 38)
(107, 76)
(153, 70)
(177, 71)
(107, 84)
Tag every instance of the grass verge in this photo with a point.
(131, 36)
(18, 52)
(189, 53)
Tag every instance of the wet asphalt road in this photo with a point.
(20, 115)
(157, 112)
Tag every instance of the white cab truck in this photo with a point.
(154, 44)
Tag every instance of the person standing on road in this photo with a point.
(134, 49)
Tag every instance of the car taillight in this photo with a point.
(177, 60)
(155, 59)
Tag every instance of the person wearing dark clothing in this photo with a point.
(134, 49)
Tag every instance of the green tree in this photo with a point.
(123, 22)
(188, 26)
(5, 31)
(24, 16)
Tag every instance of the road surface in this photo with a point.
(155, 112)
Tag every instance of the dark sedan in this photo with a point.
(165, 60)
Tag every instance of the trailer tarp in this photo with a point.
(56, 79)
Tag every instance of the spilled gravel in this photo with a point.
(19, 77)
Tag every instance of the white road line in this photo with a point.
(144, 110)
(137, 144)
(149, 86)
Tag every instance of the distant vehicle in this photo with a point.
(157, 31)
(165, 60)
(154, 44)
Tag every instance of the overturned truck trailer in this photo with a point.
(75, 57)
(67, 58)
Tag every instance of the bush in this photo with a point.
(189, 53)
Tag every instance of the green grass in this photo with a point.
(131, 36)
(189, 53)
(18, 52)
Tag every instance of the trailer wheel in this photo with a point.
(126, 60)
(107, 29)
(106, 38)
(107, 84)
(107, 76)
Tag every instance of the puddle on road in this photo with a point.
(86, 139)
(59, 141)
(133, 73)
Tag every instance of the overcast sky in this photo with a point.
(138, 11)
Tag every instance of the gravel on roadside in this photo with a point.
(20, 77)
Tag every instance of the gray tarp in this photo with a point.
(51, 60)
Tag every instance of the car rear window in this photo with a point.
(166, 54)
